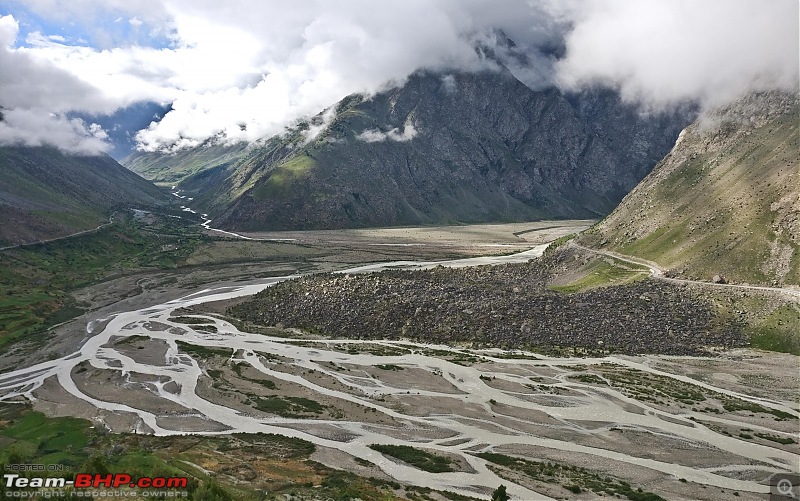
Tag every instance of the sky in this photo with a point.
(242, 70)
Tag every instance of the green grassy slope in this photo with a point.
(36, 280)
(253, 467)
(46, 194)
(725, 201)
(170, 169)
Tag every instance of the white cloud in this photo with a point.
(664, 51)
(310, 55)
(37, 128)
(242, 70)
(35, 97)
(318, 125)
(375, 136)
(449, 83)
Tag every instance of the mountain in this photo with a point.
(725, 201)
(638, 139)
(442, 148)
(46, 194)
(169, 169)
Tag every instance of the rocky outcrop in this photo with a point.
(506, 306)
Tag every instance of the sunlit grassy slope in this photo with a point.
(725, 201)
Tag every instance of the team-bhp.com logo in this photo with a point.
(87, 485)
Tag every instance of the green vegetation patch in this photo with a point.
(36, 280)
(74, 445)
(776, 438)
(284, 176)
(189, 320)
(558, 242)
(203, 351)
(52, 441)
(238, 368)
(424, 460)
(290, 407)
(666, 390)
(390, 367)
(589, 378)
(603, 273)
(572, 478)
(732, 404)
(779, 331)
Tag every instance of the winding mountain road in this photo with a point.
(659, 273)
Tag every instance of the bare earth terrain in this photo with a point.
(682, 427)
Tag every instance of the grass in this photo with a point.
(731, 404)
(558, 242)
(36, 280)
(779, 331)
(284, 176)
(714, 213)
(289, 407)
(52, 441)
(203, 352)
(390, 367)
(572, 478)
(668, 391)
(513, 356)
(171, 169)
(425, 461)
(190, 320)
(588, 378)
(603, 273)
(246, 466)
(777, 439)
(238, 369)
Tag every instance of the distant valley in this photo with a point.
(440, 149)
(455, 288)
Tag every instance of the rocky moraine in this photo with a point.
(506, 306)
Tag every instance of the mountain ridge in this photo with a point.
(46, 194)
(441, 149)
(724, 202)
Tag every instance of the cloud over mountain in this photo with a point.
(664, 51)
(240, 70)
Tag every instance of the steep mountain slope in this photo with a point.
(464, 147)
(638, 138)
(171, 168)
(46, 194)
(725, 201)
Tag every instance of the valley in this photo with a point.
(172, 361)
(421, 251)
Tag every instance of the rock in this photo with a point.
(487, 305)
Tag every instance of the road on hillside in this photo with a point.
(437, 403)
(657, 272)
(83, 232)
